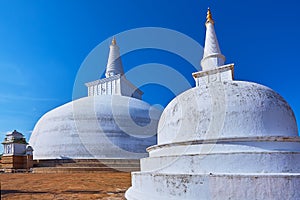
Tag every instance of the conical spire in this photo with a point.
(212, 57)
(114, 63)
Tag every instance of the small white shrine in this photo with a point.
(17, 153)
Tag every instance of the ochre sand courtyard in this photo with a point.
(106, 186)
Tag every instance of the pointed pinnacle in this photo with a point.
(114, 42)
(209, 18)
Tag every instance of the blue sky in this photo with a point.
(43, 44)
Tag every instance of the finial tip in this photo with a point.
(209, 17)
(114, 42)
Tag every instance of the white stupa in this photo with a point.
(111, 123)
(223, 139)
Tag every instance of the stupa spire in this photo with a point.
(114, 63)
(212, 57)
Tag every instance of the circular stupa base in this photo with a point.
(214, 186)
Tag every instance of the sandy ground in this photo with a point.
(106, 186)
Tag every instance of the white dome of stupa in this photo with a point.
(242, 109)
(96, 127)
(111, 123)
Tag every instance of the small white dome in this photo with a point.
(106, 126)
(226, 110)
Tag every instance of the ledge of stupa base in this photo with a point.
(234, 186)
(70, 158)
(85, 165)
(238, 162)
(224, 155)
(227, 144)
(55, 170)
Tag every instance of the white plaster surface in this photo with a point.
(239, 108)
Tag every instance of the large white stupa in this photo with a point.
(223, 139)
(111, 123)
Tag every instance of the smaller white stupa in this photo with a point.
(17, 153)
(223, 139)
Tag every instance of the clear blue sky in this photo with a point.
(44, 42)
